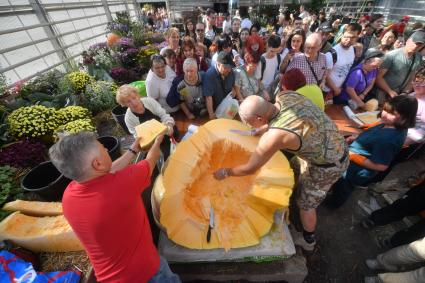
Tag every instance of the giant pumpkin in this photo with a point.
(243, 206)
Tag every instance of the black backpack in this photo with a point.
(263, 64)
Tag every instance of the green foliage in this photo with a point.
(46, 83)
(33, 121)
(5, 136)
(9, 190)
(100, 96)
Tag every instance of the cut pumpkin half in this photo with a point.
(148, 131)
(243, 206)
(39, 234)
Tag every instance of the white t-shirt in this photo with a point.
(270, 71)
(158, 88)
(227, 27)
(246, 23)
(340, 70)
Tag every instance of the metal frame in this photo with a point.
(54, 36)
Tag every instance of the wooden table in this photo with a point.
(345, 125)
(335, 112)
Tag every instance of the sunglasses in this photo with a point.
(199, 30)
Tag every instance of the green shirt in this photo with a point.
(398, 65)
(314, 93)
(321, 142)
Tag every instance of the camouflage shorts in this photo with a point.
(314, 182)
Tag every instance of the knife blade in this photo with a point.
(241, 132)
(211, 224)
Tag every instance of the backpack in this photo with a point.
(263, 64)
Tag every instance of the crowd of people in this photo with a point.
(283, 75)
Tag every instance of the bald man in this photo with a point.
(296, 125)
(312, 63)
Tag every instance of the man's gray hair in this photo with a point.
(189, 62)
(70, 154)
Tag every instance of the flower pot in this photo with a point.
(118, 112)
(46, 181)
(112, 144)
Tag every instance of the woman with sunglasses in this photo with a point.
(374, 149)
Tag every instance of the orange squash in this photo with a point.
(112, 39)
(243, 206)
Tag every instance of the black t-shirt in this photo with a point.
(146, 116)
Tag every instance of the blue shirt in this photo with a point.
(380, 145)
(215, 86)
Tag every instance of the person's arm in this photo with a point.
(210, 108)
(126, 158)
(154, 153)
(382, 84)
(238, 95)
(131, 121)
(336, 90)
(267, 146)
(325, 76)
(353, 95)
(151, 88)
(363, 161)
(368, 89)
(186, 111)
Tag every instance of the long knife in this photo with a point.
(211, 225)
(241, 132)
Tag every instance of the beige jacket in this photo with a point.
(152, 105)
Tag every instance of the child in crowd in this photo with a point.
(373, 150)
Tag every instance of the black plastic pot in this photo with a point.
(112, 144)
(118, 112)
(46, 181)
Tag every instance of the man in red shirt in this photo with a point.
(104, 208)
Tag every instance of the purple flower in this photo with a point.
(25, 153)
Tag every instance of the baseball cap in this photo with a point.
(373, 54)
(326, 27)
(418, 36)
(226, 59)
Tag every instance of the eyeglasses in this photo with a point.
(418, 84)
(199, 30)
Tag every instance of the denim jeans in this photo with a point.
(164, 274)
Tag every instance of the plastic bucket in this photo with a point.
(46, 181)
(118, 112)
(112, 144)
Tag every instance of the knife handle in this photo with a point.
(209, 234)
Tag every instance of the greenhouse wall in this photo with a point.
(37, 35)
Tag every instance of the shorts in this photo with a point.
(164, 274)
(314, 182)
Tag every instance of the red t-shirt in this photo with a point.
(109, 218)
